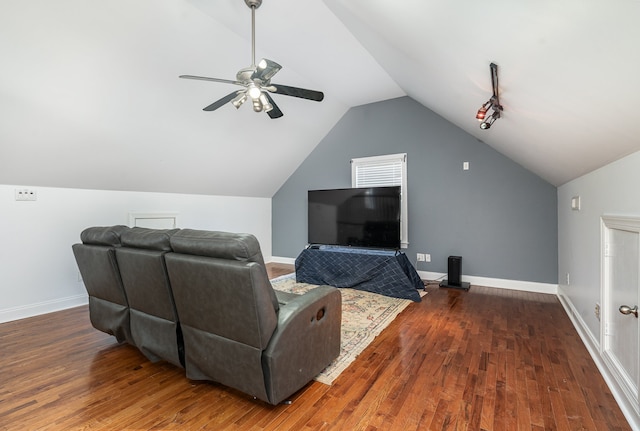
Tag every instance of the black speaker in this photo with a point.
(454, 267)
(455, 270)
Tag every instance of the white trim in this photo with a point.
(499, 283)
(632, 224)
(593, 347)
(624, 382)
(170, 217)
(30, 310)
(286, 260)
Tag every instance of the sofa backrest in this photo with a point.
(144, 273)
(155, 324)
(242, 247)
(227, 320)
(223, 245)
(223, 297)
(221, 285)
(97, 263)
(227, 307)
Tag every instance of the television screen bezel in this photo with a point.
(397, 244)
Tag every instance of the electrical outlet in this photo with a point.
(597, 311)
(26, 195)
(420, 257)
(427, 257)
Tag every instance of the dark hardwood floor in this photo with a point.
(487, 359)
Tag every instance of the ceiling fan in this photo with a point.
(256, 80)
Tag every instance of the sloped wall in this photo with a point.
(38, 272)
(609, 191)
(613, 191)
(501, 218)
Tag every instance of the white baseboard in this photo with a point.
(287, 260)
(593, 347)
(30, 310)
(527, 286)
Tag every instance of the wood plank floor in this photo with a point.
(487, 359)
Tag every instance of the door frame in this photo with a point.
(608, 223)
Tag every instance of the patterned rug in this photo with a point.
(364, 316)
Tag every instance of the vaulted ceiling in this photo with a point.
(90, 95)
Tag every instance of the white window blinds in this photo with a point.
(378, 174)
(381, 171)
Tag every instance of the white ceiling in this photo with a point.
(89, 94)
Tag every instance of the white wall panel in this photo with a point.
(38, 272)
(612, 190)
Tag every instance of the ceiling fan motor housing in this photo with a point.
(253, 3)
(244, 75)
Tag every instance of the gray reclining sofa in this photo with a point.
(203, 300)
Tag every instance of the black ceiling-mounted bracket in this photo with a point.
(492, 103)
(494, 84)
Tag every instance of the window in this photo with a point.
(380, 171)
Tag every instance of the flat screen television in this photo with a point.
(362, 217)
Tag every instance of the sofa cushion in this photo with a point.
(150, 239)
(223, 245)
(103, 235)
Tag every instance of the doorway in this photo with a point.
(620, 328)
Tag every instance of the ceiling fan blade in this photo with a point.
(298, 92)
(218, 103)
(204, 78)
(275, 112)
(265, 70)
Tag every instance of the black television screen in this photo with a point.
(362, 217)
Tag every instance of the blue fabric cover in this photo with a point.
(382, 272)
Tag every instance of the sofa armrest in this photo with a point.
(285, 297)
(306, 340)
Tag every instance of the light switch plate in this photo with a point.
(575, 203)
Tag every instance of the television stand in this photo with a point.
(385, 272)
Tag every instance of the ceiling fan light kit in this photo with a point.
(256, 80)
(492, 103)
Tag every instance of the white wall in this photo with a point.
(611, 190)
(38, 273)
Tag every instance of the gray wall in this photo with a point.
(501, 218)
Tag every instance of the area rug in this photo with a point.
(364, 316)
